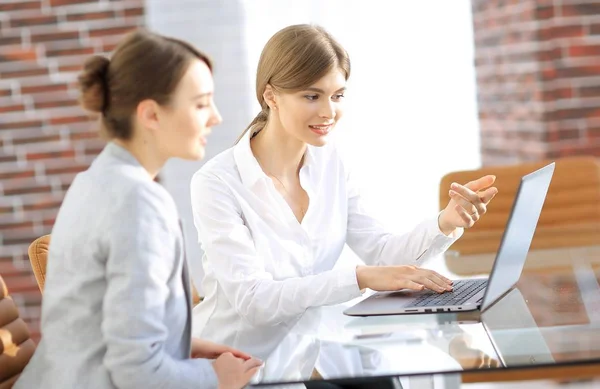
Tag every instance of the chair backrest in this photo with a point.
(571, 214)
(16, 347)
(38, 256)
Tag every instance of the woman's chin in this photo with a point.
(194, 155)
(318, 141)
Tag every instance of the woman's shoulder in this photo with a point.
(128, 190)
(220, 170)
(222, 163)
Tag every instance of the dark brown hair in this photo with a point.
(144, 66)
(293, 59)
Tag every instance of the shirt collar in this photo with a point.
(250, 170)
(247, 165)
(114, 151)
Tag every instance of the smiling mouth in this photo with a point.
(321, 129)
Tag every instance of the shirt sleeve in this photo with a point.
(140, 262)
(376, 246)
(232, 258)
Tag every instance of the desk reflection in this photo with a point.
(550, 318)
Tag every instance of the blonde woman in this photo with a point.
(274, 212)
(116, 311)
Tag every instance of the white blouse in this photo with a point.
(266, 274)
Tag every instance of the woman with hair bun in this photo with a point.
(116, 311)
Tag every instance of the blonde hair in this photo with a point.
(293, 59)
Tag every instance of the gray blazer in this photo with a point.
(116, 309)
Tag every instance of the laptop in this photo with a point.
(514, 333)
(476, 293)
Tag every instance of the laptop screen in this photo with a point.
(518, 234)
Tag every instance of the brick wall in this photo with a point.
(538, 78)
(45, 137)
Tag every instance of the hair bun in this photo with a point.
(93, 83)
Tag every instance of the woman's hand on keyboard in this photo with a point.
(391, 278)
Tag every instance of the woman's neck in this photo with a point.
(147, 155)
(278, 153)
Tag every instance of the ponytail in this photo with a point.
(258, 123)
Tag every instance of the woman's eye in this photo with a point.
(311, 97)
(339, 96)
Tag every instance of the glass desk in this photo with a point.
(546, 327)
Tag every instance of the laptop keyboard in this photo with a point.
(463, 290)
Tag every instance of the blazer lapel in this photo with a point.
(188, 294)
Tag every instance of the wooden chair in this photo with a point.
(38, 256)
(16, 346)
(570, 217)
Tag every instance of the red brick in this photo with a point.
(544, 12)
(562, 134)
(20, 124)
(18, 284)
(590, 91)
(5, 92)
(110, 31)
(56, 36)
(12, 108)
(18, 55)
(25, 173)
(70, 68)
(24, 73)
(20, 5)
(51, 155)
(584, 50)
(64, 52)
(33, 21)
(8, 158)
(37, 139)
(58, 3)
(557, 94)
(550, 54)
(15, 190)
(56, 104)
(48, 222)
(69, 119)
(42, 205)
(8, 268)
(90, 16)
(557, 32)
(579, 71)
(12, 225)
(6, 40)
(595, 29)
(583, 9)
(85, 135)
(549, 74)
(44, 88)
(134, 12)
(593, 132)
(30, 299)
(73, 168)
(6, 209)
(574, 113)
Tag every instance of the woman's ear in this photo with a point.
(147, 114)
(270, 97)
